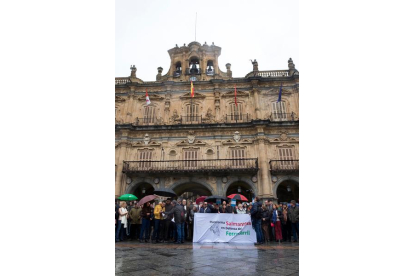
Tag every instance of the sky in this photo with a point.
(267, 31)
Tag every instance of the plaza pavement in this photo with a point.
(133, 258)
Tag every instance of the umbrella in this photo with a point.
(165, 192)
(127, 197)
(200, 199)
(146, 199)
(238, 197)
(214, 198)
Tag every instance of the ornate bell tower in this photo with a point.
(194, 62)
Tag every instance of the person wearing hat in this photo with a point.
(293, 214)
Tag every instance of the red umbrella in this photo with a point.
(200, 199)
(238, 197)
(146, 199)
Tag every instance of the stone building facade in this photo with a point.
(206, 144)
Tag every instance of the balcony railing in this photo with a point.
(144, 121)
(280, 166)
(278, 117)
(122, 80)
(180, 166)
(191, 119)
(238, 118)
(273, 73)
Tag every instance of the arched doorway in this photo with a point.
(240, 187)
(142, 189)
(191, 190)
(287, 190)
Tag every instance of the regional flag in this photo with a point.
(235, 95)
(147, 97)
(280, 93)
(192, 90)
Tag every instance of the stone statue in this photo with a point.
(174, 118)
(147, 139)
(209, 116)
(255, 65)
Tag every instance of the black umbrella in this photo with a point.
(214, 198)
(165, 192)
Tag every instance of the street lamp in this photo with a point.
(288, 188)
(239, 189)
(143, 190)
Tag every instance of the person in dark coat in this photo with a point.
(178, 213)
(167, 221)
(293, 214)
(226, 209)
(256, 216)
(285, 221)
(265, 222)
(207, 208)
(145, 227)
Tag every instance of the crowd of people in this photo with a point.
(172, 221)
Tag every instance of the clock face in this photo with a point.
(193, 78)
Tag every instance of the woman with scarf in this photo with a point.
(122, 222)
(276, 225)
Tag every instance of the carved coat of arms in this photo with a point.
(191, 137)
(237, 136)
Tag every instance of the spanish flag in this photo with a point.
(147, 97)
(192, 90)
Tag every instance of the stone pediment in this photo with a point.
(239, 94)
(196, 96)
(150, 144)
(152, 97)
(195, 143)
(119, 99)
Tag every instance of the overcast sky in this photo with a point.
(267, 31)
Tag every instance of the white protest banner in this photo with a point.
(210, 227)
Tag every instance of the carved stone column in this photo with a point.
(256, 103)
(264, 173)
(121, 157)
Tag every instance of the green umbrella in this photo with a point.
(127, 197)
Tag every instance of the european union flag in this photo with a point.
(280, 93)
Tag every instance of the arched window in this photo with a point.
(149, 114)
(192, 114)
(238, 155)
(235, 112)
(279, 112)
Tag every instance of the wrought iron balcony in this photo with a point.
(279, 117)
(197, 166)
(145, 121)
(191, 119)
(284, 166)
(239, 118)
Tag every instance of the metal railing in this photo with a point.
(284, 166)
(144, 121)
(238, 118)
(122, 80)
(277, 117)
(206, 165)
(191, 119)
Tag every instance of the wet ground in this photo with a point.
(134, 258)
